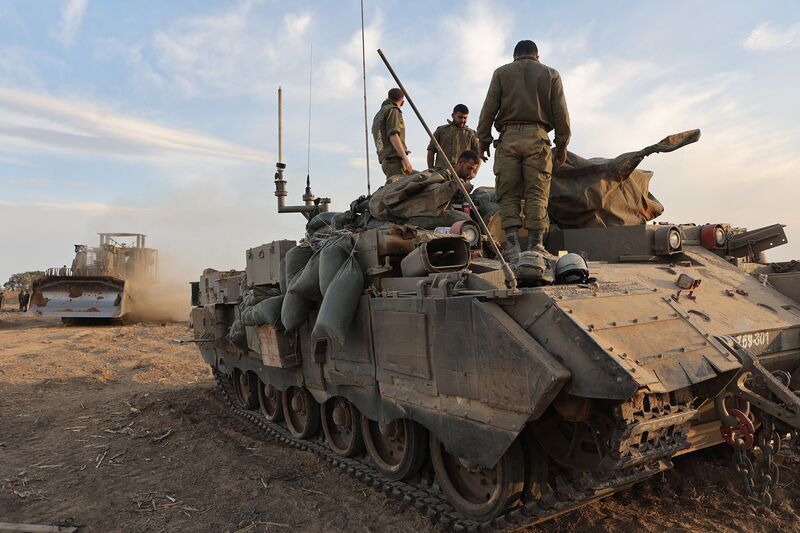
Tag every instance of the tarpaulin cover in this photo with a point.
(597, 192)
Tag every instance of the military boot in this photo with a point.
(512, 248)
(534, 244)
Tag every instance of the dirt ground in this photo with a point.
(116, 428)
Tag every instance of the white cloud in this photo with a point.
(232, 52)
(71, 17)
(297, 23)
(480, 37)
(766, 37)
(37, 122)
(28, 181)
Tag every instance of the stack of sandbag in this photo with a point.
(256, 308)
(329, 276)
(252, 300)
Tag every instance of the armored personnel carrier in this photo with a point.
(405, 354)
(101, 281)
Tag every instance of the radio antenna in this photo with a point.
(364, 73)
(310, 86)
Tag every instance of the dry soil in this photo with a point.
(116, 428)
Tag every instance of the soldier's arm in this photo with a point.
(432, 147)
(393, 119)
(474, 144)
(491, 105)
(560, 115)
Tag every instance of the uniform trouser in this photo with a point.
(523, 163)
(392, 166)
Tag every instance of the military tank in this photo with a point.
(402, 349)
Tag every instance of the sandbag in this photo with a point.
(247, 317)
(282, 282)
(331, 259)
(306, 282)
(267, 311)
(341, 302)
(238, 335)
(294, 311)
(255, 295)
(296, 260)
(295, 308)
(320, 221)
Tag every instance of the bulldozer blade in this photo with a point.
(73, 297)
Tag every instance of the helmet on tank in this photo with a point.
(571, 268)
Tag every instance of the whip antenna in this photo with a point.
(310, 86)
(364, 73)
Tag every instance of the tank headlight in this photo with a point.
(719, 236)
(713, 236)
(471, 235)
(667, 240)
(467, 229)
(674, 239)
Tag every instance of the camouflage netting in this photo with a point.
(597, 192)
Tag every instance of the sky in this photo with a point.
(161, 117)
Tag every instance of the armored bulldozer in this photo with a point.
(403, 353)
(101, 282)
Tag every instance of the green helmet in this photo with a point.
(571, 268)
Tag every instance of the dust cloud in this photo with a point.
(163, 301)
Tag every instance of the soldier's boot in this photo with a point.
(513, 247)
(535, 243)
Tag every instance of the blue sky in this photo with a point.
(160, 117)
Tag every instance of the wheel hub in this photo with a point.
(389, 431)
(298, 405)
(341, 416)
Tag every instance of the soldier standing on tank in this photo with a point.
(2, 296)
(454, 138)
(525, 101)
(389, 133)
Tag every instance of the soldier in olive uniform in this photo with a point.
(454, 138)
(525, 101)
(389, 133)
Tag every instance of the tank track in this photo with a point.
(430, 502)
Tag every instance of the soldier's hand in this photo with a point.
(485, 152)
(561, 158)
(407, 168)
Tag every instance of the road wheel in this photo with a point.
(478, 492)
(341, 423)
(245, 385)
(301, 412)
(398, 448)
(269, 398)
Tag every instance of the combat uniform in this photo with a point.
(525, 101)
(453, 140)
(388, 121)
